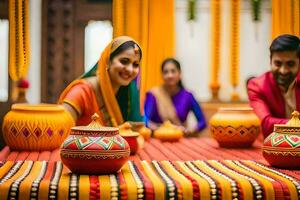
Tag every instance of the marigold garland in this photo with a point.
(215, 47)
(18, 39)
(234, 47)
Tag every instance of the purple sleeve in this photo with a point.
(199, 114)
(151, 113)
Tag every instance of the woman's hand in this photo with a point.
(188, 132)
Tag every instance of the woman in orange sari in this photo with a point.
(109, 88)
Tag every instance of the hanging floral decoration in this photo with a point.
(191, 10)
(215, 48)
(18, 39)
(234, 47)
(256, 10)
(18, 44)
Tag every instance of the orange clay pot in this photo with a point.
(37, 127)
(282, 147)
(94, 149)
(235, 127)
(130, 136)
(168, 132)
(141, 129)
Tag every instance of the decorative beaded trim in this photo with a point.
(293, 180)
(55, 180)
(95, 154)
(138, 181)
(212, 184)
(95, 133)
(11, 172)
(287, 130)
(251, 170)
(257, 190)
(36, 183)
(114, 191)
(233, 183)
(73, 187)
(171, 188)
(177, 171)
(14, 188)
(282, 152)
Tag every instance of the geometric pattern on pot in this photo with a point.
(291, 140)
(27, 130)
(278, 152)
(276, 139)
(86, 142)
(231, 131)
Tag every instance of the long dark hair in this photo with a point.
(125, 46)
(177, 65)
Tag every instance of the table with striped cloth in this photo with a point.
(211, 173)
(208, 179)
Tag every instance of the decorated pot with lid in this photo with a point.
(130, 136)
(141, 129)
(168, 132)
(282, 147)
(94, 149)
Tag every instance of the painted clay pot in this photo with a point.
(130, 136)
(141, 129)
(37, 127)
(168, 132)
(94, 149)
(235, 127)
(282, 147)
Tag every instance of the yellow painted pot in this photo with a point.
(36, 127)
(168, 132)
(235, 127)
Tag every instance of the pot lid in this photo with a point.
(95, 125)
(168, 128)
(294, 122)
(126, 130)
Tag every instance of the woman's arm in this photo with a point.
(150, 110)
(71, 110)
(201, 122)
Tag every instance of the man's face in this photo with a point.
(285, 66)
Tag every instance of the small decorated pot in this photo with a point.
(235, 127)
(36, 127)
(94, 149)
(130, 136)
(282, 147)
(141, 129)
(168, 132)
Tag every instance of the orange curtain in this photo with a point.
(151, 23)
(285, 17)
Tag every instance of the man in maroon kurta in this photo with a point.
(275, 94)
